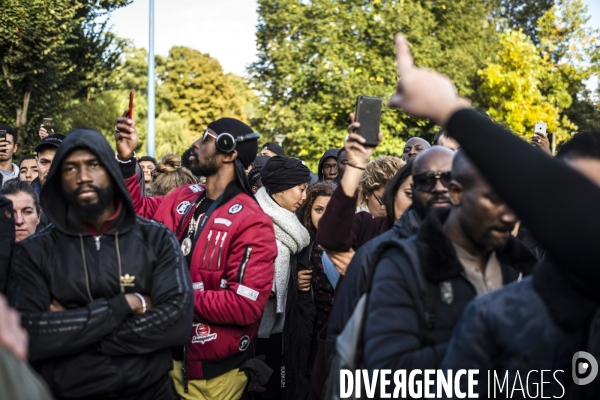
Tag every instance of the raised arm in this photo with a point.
(558, 205)
(335, 228)
(126, 139)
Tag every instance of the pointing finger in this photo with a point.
(404, 58)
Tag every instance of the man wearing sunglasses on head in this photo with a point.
(422, 284)
(230, 248)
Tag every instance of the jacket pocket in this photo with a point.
(243, 264)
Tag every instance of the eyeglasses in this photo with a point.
(425, 182)
(206, 134)
(378, 200)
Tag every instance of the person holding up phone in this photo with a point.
(540, 137)
(8, 147)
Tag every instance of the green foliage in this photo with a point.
(184, 78)
(525, 83)
(521, 99)
(51, 51)
(316, 56)
(198, 89)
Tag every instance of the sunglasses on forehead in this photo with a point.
(425, 182)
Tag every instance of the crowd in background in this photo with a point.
(232, 271)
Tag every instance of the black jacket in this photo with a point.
(97, 347)
(329, 153)
(395, 337)
(355, 280)
(7, 238)
(536, 325)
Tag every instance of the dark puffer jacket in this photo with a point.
(536, 325)
(355, 279)
(97, 347)
(395, 336)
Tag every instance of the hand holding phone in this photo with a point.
(3, 143)
(540, 129)
(368, 114)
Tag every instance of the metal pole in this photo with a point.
(151, 97)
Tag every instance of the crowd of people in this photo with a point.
(235, 272)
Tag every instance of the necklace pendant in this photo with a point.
(186, 246)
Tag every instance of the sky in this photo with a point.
(222, 28)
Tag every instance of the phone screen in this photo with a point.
(131, 105)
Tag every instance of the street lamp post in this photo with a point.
(151, 145)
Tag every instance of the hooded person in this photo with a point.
(229, 245)
(285, 181)
(103, 293)
(328, 168)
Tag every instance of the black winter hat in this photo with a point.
(282, 173)
(248, 148)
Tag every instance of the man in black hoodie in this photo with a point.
(328, 167)
(104, 294)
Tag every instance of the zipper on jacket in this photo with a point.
(184, 371)
(212, 254)
(97, 240)
(242, 268)
(206, 248)
(221, 251)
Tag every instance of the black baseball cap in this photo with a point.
(53, 140)
(274, 147)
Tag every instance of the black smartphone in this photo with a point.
(368, 113)
(47, 122)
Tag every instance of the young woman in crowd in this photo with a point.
(284, 181)
(314, 278)
(26, 205)
(371, 188)
(169, 175)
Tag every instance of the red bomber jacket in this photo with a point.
(232, 269)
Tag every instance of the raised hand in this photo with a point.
(126, 137)
(358, 154)
(422, 92)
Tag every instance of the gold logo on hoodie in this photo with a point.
(127, 280)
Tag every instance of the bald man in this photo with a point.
(421, 285)
(430, 192)
(413, 147)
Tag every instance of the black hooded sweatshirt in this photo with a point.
(97, 347)
(328, 154)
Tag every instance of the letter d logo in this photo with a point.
(583, 367)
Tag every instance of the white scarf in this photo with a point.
(291, 237)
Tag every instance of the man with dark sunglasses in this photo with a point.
(422, 284)
(431, 177)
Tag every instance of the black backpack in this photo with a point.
(349, 344)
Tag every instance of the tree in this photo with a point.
(45, 63)
(198, 89)
(523, 88)
(315, 57)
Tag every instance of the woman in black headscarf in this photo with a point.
(284, 181)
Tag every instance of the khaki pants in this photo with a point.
(229, 386)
